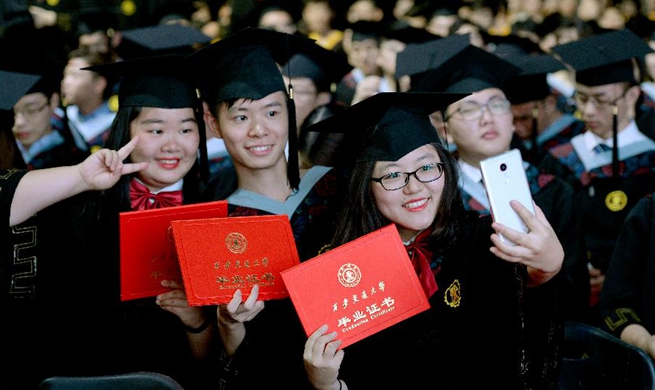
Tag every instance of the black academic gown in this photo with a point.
(42, 305)
(136, 335)
(272, 351)
(602, 200)
(72, 322)
(472, 336)
(628, 294)
(556, 199)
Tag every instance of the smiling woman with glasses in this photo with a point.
(449, 249)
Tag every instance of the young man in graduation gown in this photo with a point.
(246, 104)
(41, 134)
(541, 121)
(610, 165)
(481, 126)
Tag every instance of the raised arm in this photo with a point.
(41, 188)
(540, 249)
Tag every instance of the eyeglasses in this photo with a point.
(581, 101)
(29, 111)
(397, 180)
(471, 111)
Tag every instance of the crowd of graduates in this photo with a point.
(346, 117)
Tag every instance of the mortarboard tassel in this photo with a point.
(534, 148)
(293, 165)
(615, 139)
(293, 170)
(204, 158)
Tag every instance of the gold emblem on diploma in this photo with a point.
(349, 275)
(236, 243)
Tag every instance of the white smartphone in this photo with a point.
(504, 180)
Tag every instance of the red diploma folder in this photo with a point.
(357, 289)
(147, 249)
(218, 256)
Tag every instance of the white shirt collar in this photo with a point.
(173, 187)
(629, 135)
(469, 170)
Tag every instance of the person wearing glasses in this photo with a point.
(610, 165)
(543, 116)
(481, 126)
(41, 135)
(489, 301)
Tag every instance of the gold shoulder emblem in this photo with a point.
(616, 200)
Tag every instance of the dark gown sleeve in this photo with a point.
(627, 295)
(8, 183)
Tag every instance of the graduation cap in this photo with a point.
(244, 65)
(389, 125)
(430, 8)
(322, 66)
(457, 66)
(15, 86)
(163, 39)
(94, 19)
(365, 29)
(408, 34)
(419, 58)
(157, 81)
(604, 58)
(531, 83)
(512, 44)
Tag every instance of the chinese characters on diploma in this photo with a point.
(357, 289)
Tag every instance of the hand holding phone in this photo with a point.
(505, 180)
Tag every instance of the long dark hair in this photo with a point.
(360, 215)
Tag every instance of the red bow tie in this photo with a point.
(142, 199)
(420, 254)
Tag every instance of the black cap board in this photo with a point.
(14, 86)
(389, 124)
(465, 69)
(323, 70)
(158, 81)
(531, 83)
(163, 39)
(604, 58)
